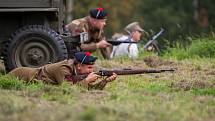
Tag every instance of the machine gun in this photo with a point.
(115, 43)
(73, 43)
(152, 42)
(106, 73)
(83, 37)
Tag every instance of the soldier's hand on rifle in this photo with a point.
(102, 44)
(92, 77)
(111, 78)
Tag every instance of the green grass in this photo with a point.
(7, 82)
(207, 91)
(185, 95)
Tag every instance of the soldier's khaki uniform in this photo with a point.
(54, 73)
(95, 35)
(51, 73)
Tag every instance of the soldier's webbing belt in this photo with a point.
(39, 74)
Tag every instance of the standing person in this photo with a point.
(133, 34)
(93, 25)
(56, 73)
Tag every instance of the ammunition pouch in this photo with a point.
(73, 43)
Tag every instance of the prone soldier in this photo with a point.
(56, 73)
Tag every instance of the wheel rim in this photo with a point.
(34, 52)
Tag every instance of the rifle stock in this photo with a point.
(105, 72)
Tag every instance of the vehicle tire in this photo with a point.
(33, 46)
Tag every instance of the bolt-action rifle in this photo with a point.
(106, 73)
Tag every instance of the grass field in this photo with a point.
(188, 94)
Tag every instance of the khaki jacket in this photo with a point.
(95, 35)
(51, 73)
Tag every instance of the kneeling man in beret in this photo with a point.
(93, 25)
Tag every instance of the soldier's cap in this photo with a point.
(98, 13)
(134, 26)
(85, 58)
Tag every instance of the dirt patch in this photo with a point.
(187, 85)
(212, 72)
(184, 85)
(154, 61)
(92, 95)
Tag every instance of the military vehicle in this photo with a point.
(30, 33)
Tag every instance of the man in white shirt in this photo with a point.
(134, 32)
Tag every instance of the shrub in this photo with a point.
(204, 48)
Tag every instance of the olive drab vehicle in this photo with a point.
(30, 33)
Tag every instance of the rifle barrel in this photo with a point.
(131, 71)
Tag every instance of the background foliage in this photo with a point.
(177, 17)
